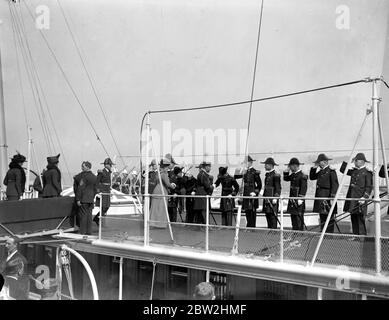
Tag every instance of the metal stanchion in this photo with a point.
(281, 230)
(121, 278)
(207, 225)
(101, 209)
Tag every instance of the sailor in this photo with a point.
(381, 173)
(204, 187)
(13, 268)
(189, 183)
(85, 197)
(298, 188)
(361, 186)
(230, 188)
(52, 178)
(15, 179)
(76, 184)
(104, 180)
(174, 178)
(272, 188)
(252, 185)
(326, 187)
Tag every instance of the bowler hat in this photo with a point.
(360, 156)
(18, 158)
(53, 159)
(223, 170)
(270, 161)
(177, 170)
(322, 157)
(294, 161)
(108, 161)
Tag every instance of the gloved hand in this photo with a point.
(230, 195)
(252, 194)
(173, 185)
(175, 195)
(299, 202)
(193, 193)
(274, 201)
(362, 201)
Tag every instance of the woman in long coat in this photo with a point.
(158, 209)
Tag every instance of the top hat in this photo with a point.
(223, 170)
(360, 156)
(53, 159)
(270, 161)
(322, 157)
(294, 161)
(108, 161)
(169, 157)
(18, 158)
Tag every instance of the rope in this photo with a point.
(295, 93)
(17, 31)
(153, 279)
(90, 81)
(68, 82)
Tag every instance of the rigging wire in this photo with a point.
(16, 29)
(90, 79)
(69, 84)
(38, 81)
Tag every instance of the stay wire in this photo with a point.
(69, 84)
(39, 85)
(91, 82)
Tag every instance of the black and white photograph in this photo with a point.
(171, 151)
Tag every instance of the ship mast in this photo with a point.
(3, 134)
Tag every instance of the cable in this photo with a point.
(261, 99)
(90, 81)
(69, 84)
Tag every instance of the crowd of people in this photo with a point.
(167, 178)
(171, 180)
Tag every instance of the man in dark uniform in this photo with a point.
(15, 179)
(52, 178)
(13, 268)
(204, 187)
(326, 187)
(104, 180)
(252, 185)
(229, 188)
(298, 188)
(175, 177)
(361, 186)
(189, 183)
(85, 198)
(272, 188)
(76, 184)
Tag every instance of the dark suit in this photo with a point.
(104, 186)
(251, 183)
(86, 192)
(229, 187)
(14, 272)
(204, 187)
(298, 188)
(51, 182)
(272, 188)
(361, 186)
(189, 186)
(326, 187)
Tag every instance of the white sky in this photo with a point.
(148, 55)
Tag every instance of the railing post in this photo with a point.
(146, 206)
(100, 209)
(207, 225)
(281, 230)
(121, 278)
(377, 206)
